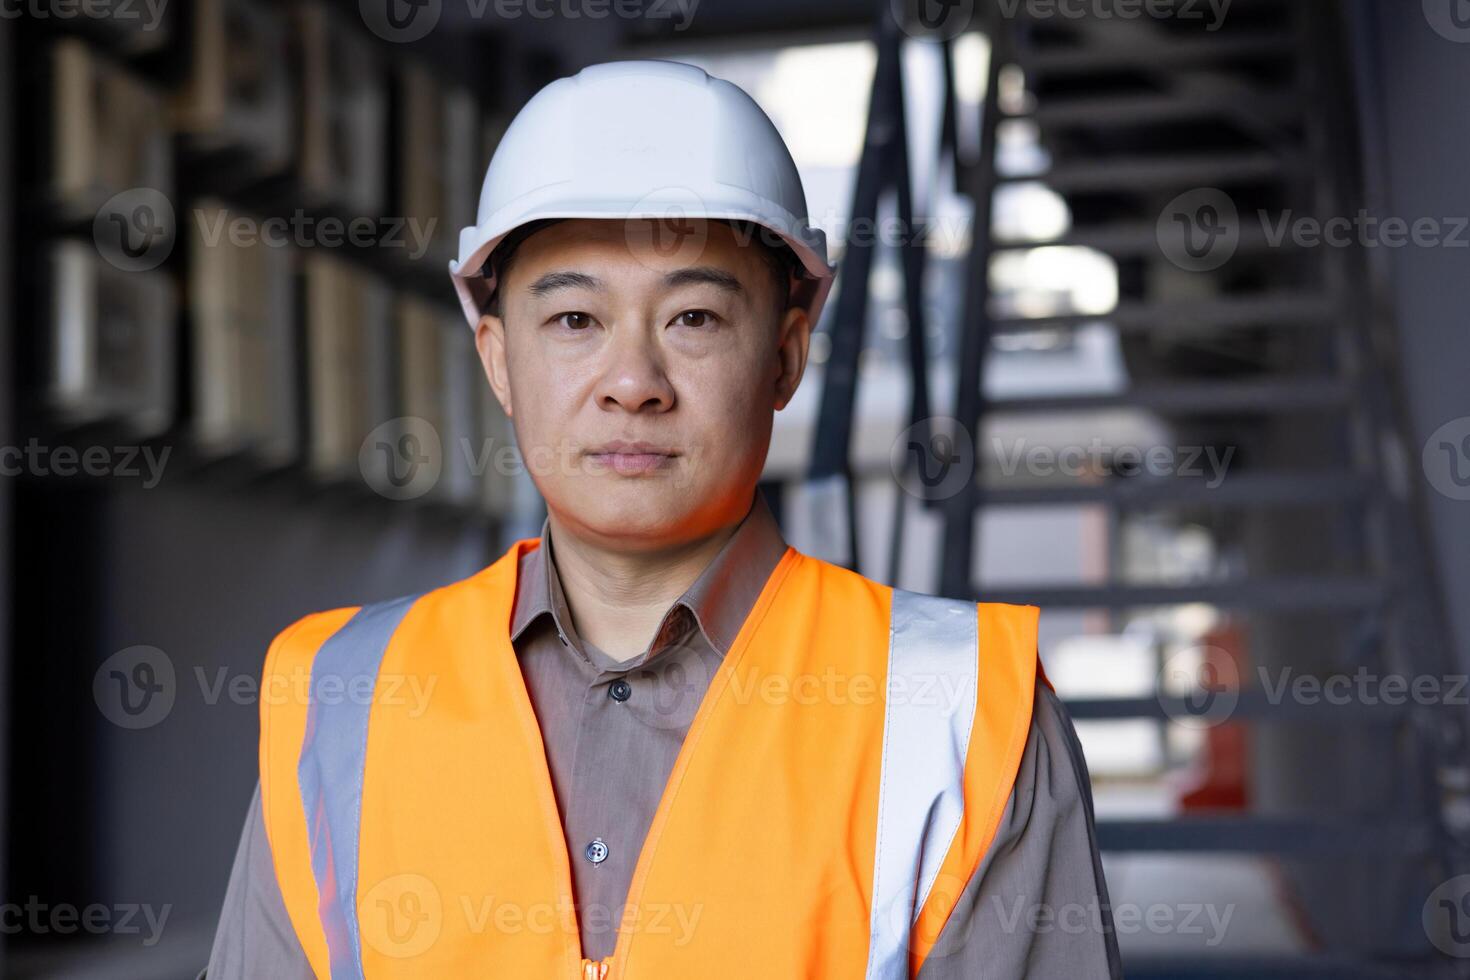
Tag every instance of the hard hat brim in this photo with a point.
(475, 287)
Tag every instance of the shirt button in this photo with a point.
(620, 690)
(596, 851)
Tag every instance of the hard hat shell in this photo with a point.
(640, 139)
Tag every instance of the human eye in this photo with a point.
(574, 321)
(695, 318)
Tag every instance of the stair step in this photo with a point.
(1262, 310)
(1158, 109)
(1287, 967)
(1140, 239)
(1157, 173)
(1280, 594)
(1195, 53)
(1244, 490)
(1252, 705)
(1284, 395)
(1267, 835)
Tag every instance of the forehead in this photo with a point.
(640, 248)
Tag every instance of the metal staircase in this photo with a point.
(1276, 353)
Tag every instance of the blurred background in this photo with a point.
(1152, 314)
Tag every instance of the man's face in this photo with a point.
(641, 382)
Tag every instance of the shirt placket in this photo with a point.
(621, 763)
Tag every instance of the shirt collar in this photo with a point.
(720, 599)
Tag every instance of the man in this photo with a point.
(659, 743)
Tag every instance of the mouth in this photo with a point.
(632, 458)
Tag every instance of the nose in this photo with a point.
(635, 379)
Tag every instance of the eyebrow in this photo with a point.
(693, 275)
(553, 281)
(704, 274)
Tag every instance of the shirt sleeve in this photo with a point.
(1037, 904)
(255, 937)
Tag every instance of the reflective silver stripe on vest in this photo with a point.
(933, 668)
(333, 754)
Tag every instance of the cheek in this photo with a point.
(549, 395)
(741, 392)
(541, 389)
(537, 430)
(729, 412)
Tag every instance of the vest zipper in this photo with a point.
(595, 969)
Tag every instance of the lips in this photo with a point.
(618, 446)
(632, 458)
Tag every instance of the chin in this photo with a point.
(633, 507)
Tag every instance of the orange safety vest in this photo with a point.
(841, 781)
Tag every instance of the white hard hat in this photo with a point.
(640, 139)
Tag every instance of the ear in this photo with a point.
(793, 339)
(490, 342)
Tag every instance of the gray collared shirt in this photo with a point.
(612, 732)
